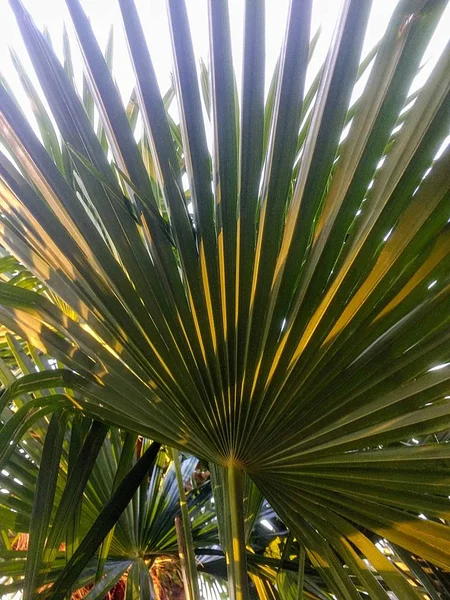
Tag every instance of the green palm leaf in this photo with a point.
(294, 328)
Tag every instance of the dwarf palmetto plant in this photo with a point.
(75, 474)
(76, 478)
(284, 315)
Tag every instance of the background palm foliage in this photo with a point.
(261, 283)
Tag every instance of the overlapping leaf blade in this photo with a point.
(294, 328)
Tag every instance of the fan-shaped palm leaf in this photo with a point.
(291, 328)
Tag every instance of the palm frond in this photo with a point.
(291, 325)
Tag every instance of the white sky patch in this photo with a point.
(185, 181)
(105, 13)
(439, 367)
(427, 172)
(267, 524)
(444, 145)
(397, 128)
(344, 134)
(381, 163)
(388, 235)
